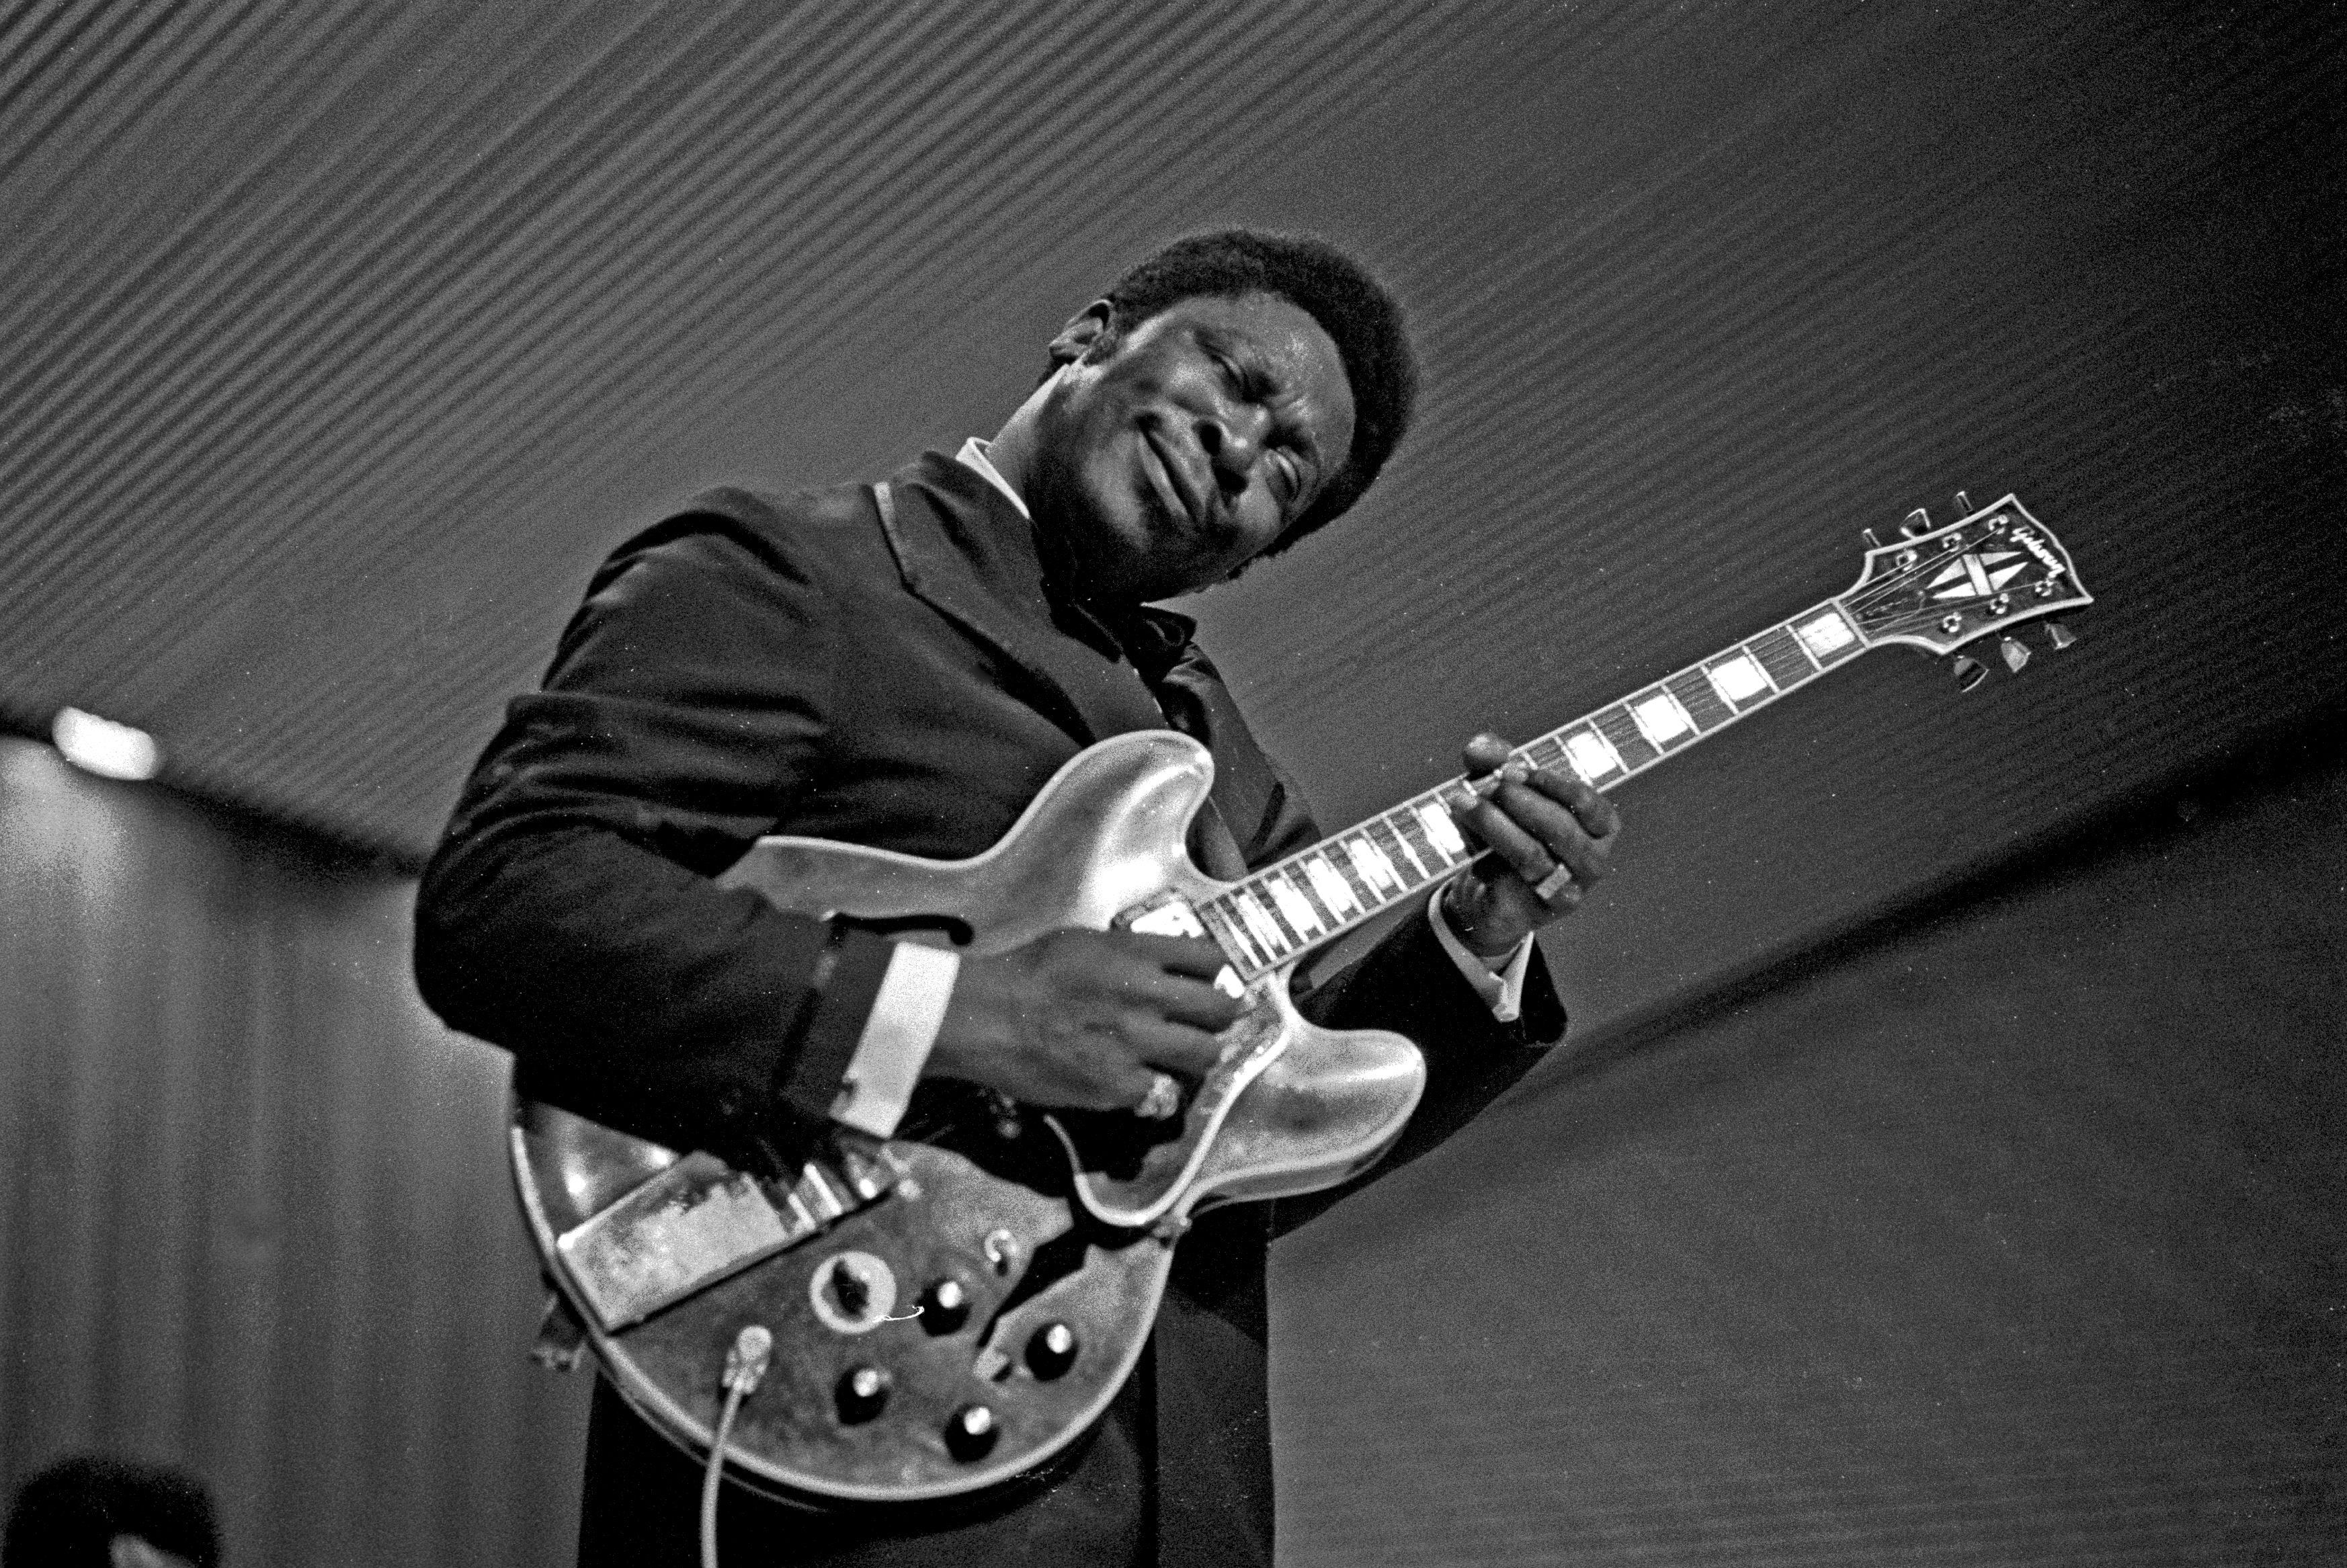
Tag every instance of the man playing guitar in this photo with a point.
(904, 666)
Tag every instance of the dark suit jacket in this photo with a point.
(808, 664)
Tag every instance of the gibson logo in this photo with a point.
(2046, 557)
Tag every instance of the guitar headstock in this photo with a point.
(1938, 590)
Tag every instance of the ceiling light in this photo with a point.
(103, 747)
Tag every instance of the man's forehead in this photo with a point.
(1271, 322)
(1256, 312)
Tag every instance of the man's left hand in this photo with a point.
(1547, 837)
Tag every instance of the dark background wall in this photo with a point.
(2013, 1231)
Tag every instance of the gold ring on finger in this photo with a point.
(1558, 879)
(1163, 1099)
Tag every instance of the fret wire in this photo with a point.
(1314, 905)
(1301, 886)
(1237, 952)
(1705, 706)
(1780, 653)
(1582, 728)
(1340, 865)
(1629, 743)
(1438, 801)
(1380, 893)
(1778, 685)
(1739, 657)
(1270, 902)
(1831, 610)
(1332, 852)
(1261, 882)
(1300, 870)
(1271, 936)
(1397, 851)
(1229, 932)
(1414, 828)
(1228, 904)
(1406, 877)
(1678, 737)
(1334, 868)
(1291, 873)
(1289, 939)
(1402, 822)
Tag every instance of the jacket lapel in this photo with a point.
(964, 550)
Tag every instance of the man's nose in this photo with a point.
(1233, 438)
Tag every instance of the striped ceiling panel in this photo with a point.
(341, 340)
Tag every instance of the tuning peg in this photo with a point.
(1919, 521)
(2016, 655)
(1964, 504)
(1969, 671)
(1872, 542)
(2058, 636)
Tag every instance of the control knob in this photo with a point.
(944, 1306)
(1052, 1351)
(971, 1433)
(862, 1393)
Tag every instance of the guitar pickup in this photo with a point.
(701, 1221)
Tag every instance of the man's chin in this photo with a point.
(1110, 533)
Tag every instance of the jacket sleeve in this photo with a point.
(568, 915)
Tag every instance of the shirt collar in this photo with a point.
(973, 457)
(1153, 638)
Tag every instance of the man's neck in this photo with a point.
(1012, 456)
(1012, 451)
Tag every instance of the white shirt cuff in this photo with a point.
(906, 1015)
(1499, 981)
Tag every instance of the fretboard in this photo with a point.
(1313, 897)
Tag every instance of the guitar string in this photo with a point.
(1260, 882)
(1867, 597)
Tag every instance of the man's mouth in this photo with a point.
(1173, 479)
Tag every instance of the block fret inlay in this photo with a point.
(1334, 886)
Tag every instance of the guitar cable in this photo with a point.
(746, 1368)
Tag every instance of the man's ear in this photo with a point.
(1088, 329)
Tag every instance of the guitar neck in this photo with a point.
(1316, 896)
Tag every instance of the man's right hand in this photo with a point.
(1085, 1018)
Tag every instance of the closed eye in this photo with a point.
(1293, 464)
(1291, 478)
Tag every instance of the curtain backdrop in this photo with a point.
(255, 1220)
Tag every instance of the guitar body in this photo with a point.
(1057, 1232)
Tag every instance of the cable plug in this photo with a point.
(746, 1363)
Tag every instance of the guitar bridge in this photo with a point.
(701, 1221)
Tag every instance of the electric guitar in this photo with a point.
(953, 1308)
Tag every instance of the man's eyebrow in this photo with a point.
(1221, 342)
(1253, 363)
